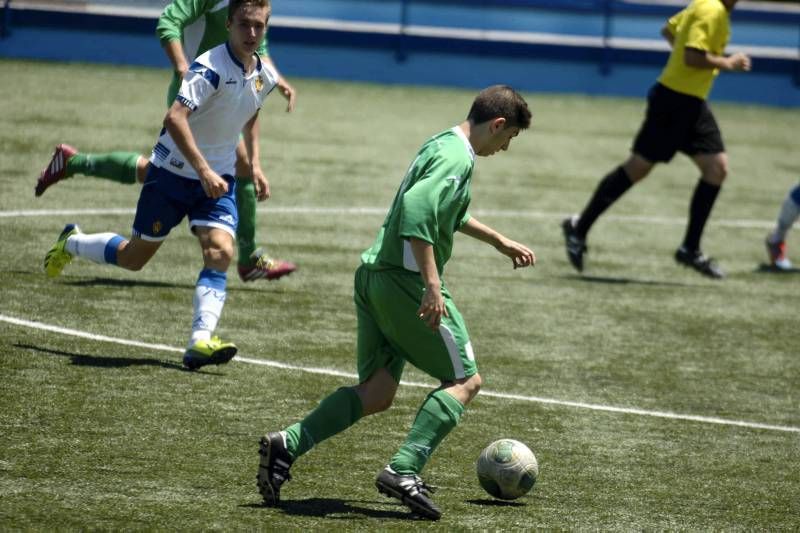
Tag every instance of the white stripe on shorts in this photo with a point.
(452, 349)
(212, 224)
(148, 238)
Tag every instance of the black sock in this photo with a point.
(705, 194)
(608, 191)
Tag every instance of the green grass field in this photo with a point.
(97, 434)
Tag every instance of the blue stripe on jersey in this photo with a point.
(160, 151)
(233, 58)
(212, 278)
(211, 76)
(186, 102)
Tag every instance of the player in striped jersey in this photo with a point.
(186, 29)
(191, 174)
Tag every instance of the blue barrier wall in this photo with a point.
(609, 47)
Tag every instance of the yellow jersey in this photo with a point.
(705, 25)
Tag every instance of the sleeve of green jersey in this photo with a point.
(177, 15)
(263, 50)
(464, 219)
(423, 202)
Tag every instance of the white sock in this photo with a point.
(209, 298)
(790, 211)
(98, 247)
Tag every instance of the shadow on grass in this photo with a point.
(111, 282)
(126, 283)
(324, 507)
(495, 503)
(104, 362)
(627, 281)
(764, 268)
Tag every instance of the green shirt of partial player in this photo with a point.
(703, 25)
(200, 25)
(431, 204)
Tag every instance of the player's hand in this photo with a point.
(739, 62)
(288, 92)
(432, 308)
(213, 184)
(262, 185)
(521, 256)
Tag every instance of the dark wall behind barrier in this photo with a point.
(607, 47)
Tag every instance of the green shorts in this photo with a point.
(390, 332)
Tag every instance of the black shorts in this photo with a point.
(676, 122)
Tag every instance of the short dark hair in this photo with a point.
(235, 5)
(500, 101)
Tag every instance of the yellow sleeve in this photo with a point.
(674, 23)
(704, 25)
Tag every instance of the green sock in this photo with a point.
(246, 231)
(334, 414)
(115, 166)
(437, 416)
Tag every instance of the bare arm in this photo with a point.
(284, 86)
(696, 58)
(250, 133)
(521, 256)
(177, 124)
(432, 307)
(176, 56)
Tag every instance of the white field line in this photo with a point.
(380, 211)
(339, 373)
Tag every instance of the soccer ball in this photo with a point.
(507, 469)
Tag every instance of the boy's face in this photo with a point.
(247, 29)
(500, 135)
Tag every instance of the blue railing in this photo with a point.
(609, 36)
(4, 19)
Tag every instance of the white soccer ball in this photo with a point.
(507, 469)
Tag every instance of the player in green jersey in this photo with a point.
(186, 29)
(405, 312)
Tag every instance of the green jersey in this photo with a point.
(430, 205)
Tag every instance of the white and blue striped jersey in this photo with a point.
(222, 98)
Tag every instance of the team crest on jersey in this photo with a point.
(259, 84)
(157, 227)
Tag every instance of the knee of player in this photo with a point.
(717, 171)
(473, 385)
(383, 403)
(376, 401)
(722, 171)
(218, 255)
